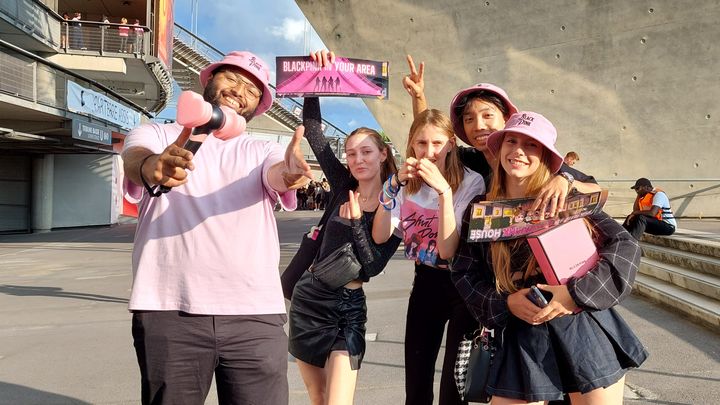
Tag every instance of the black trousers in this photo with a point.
(178, 354)
(434, 302)
(639, 224)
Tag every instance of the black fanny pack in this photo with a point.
(338, 268)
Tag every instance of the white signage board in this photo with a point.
(89, 102)
(91, 132)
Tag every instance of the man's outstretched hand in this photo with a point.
(297, 171)
(170, 167)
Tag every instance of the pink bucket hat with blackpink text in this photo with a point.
(533, 125)
(253, 66)
(457, 119)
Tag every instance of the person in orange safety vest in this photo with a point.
(651, 211)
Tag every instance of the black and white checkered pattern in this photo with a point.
(461, 364)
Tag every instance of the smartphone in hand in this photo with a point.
(536, 297)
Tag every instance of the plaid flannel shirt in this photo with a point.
(601, 288)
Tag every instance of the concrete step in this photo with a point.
(688, 241)
(682, 258)
(701, 283)
(696, 306)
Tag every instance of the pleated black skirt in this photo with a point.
(322, 320)
(574, 353)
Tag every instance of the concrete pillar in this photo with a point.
(42, 193)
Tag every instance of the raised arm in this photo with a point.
(583, 183)
(382, 228)
(293, 172)
(335, 172)
(414, 84)
(555, 191)
(373, 257)
(382, 224)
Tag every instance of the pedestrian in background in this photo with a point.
(123, 33)
(76, 34)
(103, 32)
(302, 198)
(138, 33)
(64, 31)
(571, 158)
(651, 211)
(319, 193)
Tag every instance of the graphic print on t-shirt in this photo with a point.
(420, 231)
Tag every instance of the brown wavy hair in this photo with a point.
(454, 170)
(388, 166)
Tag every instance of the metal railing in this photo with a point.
(104, 37)
(686, 195)
(89, 37)
(32, 78)
(45, 24)
(34, 18)
(214, 54)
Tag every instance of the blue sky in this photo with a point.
(268, 29)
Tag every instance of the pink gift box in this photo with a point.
(565, 251)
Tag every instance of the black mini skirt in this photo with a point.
(574, 353)
(323, 320)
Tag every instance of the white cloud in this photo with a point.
(291, 30)
(353, 123)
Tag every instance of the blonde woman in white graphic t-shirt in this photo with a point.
(424, 203)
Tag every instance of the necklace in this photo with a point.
(364, 199)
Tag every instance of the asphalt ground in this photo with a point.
(65, 330)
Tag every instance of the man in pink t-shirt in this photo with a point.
(206, 296)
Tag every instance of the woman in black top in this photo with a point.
(327, 328)
(577, 344)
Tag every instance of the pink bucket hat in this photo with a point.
(533, 125)
(457, 121)
(251, 64)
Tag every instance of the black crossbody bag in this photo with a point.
(338, 268)
(472, 366)
(306, 254)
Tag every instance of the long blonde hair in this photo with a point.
(500, 251)
(454, 170)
